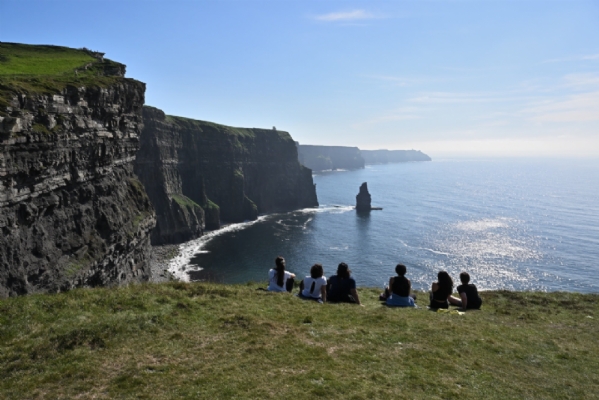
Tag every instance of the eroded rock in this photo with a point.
(72, 212)
(199, 173)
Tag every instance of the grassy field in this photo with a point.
(179, 340)
(19, 59)
(41, 69)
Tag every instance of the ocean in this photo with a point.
(516, 224)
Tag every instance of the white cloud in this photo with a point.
(573, 58)
(454, 97)
(397, 81)
(548, 117)
(354, 15)
(584, 80)
(400, 114)
(579, 107)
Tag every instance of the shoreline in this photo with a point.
(159, 262)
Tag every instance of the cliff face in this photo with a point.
(72, 213)
(320, 158)
(393, 156)
(199, 173)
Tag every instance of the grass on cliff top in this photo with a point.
(211, 127)
(45, 69)
(21, 59)
(178, 340)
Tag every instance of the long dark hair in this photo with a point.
(280, 262)
(445, 281)
(343, 271)
(315, 272)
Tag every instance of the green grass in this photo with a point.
(39, 128)
(40, 69)
(192, 124)
(211, 127)
(20, 59)
(184, 201)
(77, 265)
(202, 340)
(210, 206)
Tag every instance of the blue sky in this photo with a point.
(462, 78)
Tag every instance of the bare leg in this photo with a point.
(454, 301)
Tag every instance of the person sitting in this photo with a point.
(341, 288)
(397, 294)
(314, 287)
(280, 280)
(470, 300)
(441, 292)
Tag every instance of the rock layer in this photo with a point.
(199, 173)
(72, 213)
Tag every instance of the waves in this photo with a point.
(181, 265)
(511, 225)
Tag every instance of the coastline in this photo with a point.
(173, 261)
(160, 260)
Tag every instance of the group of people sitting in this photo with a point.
(337, 289)
(341, 288)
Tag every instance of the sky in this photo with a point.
(450, 78)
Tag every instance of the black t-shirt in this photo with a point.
(474, 300)
(442, 293)
(338, 289)
(401, 286)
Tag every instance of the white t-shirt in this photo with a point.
(318, 283)
(272, 281)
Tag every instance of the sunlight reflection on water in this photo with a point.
(512, 225)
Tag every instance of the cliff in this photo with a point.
(72, 213)
(199, 173)
(320, 158)
(393, 156)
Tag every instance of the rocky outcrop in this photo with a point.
(393, 156)
(72, 212)
(321, 158)
(363, 199)
(199, 173)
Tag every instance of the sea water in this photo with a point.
(513, 224)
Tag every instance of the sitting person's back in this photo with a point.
(314, 287)
(441, 292)
(401, 286)
(397, 293)
(469, 293)
(280, 280)
(342, 287)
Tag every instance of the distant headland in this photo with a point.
(322, 158)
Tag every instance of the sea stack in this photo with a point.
(363, 199)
